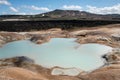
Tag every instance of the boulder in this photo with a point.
(39, 39)
(113, 56)
(116, 37)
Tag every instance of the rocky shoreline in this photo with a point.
(107, 35)
(17, 65)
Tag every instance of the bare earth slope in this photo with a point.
(26, 69)
(19, 74)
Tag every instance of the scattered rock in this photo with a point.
(114, 56)
(39, 39)
(116, 36)
(16, 61)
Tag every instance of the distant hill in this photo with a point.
(67, 14)
(63, 15)
(74, 14)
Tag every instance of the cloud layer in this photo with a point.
(4, 2)
(72, 7)
(33, 9)
(13, 9)
(39, 8)
(115, 9)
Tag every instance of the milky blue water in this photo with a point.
(62, 52)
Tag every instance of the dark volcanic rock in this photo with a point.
(23, 62)
(39, 39)
(16, 61)
(22, 59)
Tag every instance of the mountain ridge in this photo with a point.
(59, 14)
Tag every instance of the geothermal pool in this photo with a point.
(62, 52)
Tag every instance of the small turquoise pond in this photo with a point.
(62, 52)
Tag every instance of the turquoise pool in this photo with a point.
(62, 52)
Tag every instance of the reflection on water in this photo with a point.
(60, 52)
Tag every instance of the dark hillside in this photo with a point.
(47, 24)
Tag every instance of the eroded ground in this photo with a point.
(21, 68)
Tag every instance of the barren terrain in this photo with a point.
(15, 69)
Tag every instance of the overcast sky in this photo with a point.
(41, 6)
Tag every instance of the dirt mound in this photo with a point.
(105, 75)
(14, 73)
